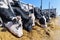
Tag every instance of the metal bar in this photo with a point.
(49, 9)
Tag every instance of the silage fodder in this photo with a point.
(37, 33)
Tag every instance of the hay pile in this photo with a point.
(37, 33)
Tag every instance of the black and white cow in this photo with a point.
(39, 15)
(27, 7)
(11, 21)
(46, 14)
(26, 17)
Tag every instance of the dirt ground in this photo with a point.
(38, 33)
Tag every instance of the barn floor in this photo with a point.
(38, 33)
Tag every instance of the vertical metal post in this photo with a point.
(41, 7)
(49, 9)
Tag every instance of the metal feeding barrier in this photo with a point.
(1, 22)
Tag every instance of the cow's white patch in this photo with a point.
(33, 18)
(26, 7)
(0, 22)
(44, 26)
(3, 5)
(44, 19)
(16, 29)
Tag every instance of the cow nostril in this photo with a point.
(0, 22)
(20, 25)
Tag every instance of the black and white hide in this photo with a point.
(12, 22)
(27, 21)
(40, 16)
(46, 14)
(27, 8)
